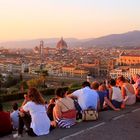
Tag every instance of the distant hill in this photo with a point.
(114, 40)
(126, 39)
(48, 42)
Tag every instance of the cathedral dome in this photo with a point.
(61, 45)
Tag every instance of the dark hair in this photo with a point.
(60, 92)
(95, 85)
(85, 84)
(121, 78)
(1, 107)
(15, 106)
(112, 82)
(53, 99)
(46, 102)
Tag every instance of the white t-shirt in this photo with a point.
(116, 94)
(40, 122)
(15, 118)
(86, 98)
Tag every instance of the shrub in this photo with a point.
(19, 95)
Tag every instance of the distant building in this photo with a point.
(62, 46)
(72, 71)
(100, 67)
(128, 59)
(9, 67)
(126, 71)
(90, 78)
(24, 68)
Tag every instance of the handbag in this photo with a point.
(89, 115)
(69, 114)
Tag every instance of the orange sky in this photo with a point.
(28, 19)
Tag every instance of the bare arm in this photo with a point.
(123, 92)
(57, 112)
(110, 93)
(72, 96)
(110, 104)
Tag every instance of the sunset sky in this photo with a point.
(30, 19)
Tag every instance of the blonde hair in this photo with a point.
(35, 96)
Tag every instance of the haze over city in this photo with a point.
(31, 19)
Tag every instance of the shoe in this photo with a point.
(17, 136)
(79, 120)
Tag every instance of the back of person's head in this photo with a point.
(112, 82)
(1, 107)
(35, 96)
(121, 78)
(102, 87)
(52, 101)
(46, 102)
(135, 77)
(60, 92)
(95, 85)
(85, 84)
(15, 106)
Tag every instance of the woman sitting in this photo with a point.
(115, 94)
(128, 92)
(35, 117)
(64, 111)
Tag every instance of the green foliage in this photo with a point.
(75, 85)
(37, 82)
(10, 81)
(19, 95)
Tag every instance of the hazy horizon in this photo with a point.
(58, 38)
(82, 19)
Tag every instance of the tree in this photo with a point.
(36, 82)
(10, 81)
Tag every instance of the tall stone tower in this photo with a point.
(41, 47)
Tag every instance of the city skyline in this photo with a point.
(74, 18)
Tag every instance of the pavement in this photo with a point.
(115, 125)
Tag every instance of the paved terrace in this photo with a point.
(122, 125)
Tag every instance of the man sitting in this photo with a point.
(87, 98)
(5, 122)
(15, 116)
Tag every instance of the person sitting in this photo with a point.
(5, 122)
(50, 108)
(115, 94)
(102, 97)
(33, 115)
(104, 88)
(127, 90)
(15, 116)
(64, 110)
(87, 98)
(136, 86)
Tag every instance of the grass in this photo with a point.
(8, 105)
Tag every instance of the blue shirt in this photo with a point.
(102, 96)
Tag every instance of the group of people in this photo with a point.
(38, 118)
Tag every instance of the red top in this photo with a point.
(5, 122)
